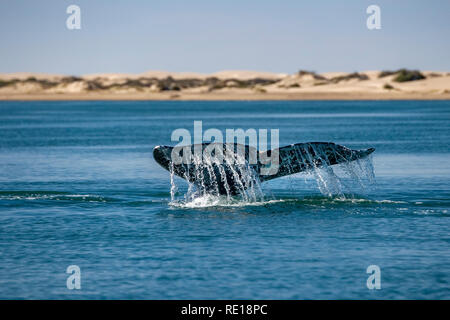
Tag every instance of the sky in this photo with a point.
(134, 36)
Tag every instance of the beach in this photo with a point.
(229, 85)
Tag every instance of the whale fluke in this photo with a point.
(232, 168)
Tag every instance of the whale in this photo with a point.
(230, 169)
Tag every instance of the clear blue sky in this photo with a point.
(208, 36)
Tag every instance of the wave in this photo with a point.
(52, 195)
(211, 201)
(277, 202)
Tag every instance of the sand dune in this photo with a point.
(227, 85)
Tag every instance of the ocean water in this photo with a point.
(79, 186)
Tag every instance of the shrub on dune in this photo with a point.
(402, 75)
(350, 76)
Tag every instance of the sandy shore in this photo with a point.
(224, 96)
(226, 85)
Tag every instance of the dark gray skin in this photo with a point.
(292, 159)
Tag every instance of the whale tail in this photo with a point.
(307, 156)
(232, 168)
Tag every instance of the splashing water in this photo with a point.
(346, 179)
(209, 173)
(343, 180)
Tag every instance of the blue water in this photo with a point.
(78, 186)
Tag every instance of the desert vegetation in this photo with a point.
(350, 76)
(402, 75)
(139, 84)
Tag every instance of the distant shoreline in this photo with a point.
(223, 96)
(399, 84)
